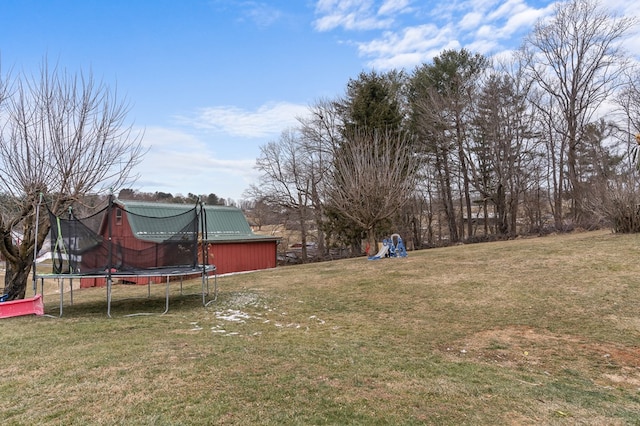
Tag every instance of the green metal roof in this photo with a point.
(223, 223)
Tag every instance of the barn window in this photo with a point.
(118, 216)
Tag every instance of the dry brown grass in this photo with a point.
(531, 331)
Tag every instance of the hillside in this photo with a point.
(529, 331)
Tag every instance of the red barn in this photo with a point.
(229, 242)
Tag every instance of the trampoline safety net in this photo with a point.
(115, 240)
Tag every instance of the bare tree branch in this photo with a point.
(374, 176)
(63, 136)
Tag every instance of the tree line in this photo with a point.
(166, 197)
(469, 147)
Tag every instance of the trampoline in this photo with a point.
(161, 243)
(166, 274)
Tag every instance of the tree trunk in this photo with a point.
(318, 217)
(502, 226)
(485, 212)
(572, 176)
(356, 246)
(465, 176)
(558, 213)
(557, 182)
(372, 242)
(15, 280)
(302, 216)
(513, 214)
(447, 202)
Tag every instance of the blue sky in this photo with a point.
(210, 81)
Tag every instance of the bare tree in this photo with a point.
(616, 199)
(320, 132)
(374, 176)
(286, 179)
(439, 155)
(629, 102)
(443, 99)
(576, 58)
(503, 148)
(63, 136)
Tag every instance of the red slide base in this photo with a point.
(16, 308)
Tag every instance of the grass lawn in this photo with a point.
(530, 331)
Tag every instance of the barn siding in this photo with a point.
(240, 257)
(121, 235)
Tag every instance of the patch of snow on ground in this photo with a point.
(244, 299)
(233, 315)
(320, 321)
(217, 329)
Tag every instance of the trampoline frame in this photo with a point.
(166, 273)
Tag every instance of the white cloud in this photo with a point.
(630, 8)
(190, 158)
(324, 6)
(394, 6)
(506, 9)
(409, 47)
(260, 13)
(484, 26)
(179, 162)
(512, 18)
(351, 21)
(524, 19)
(486, 31)
(487, 47)
(350, 15)
(263, 15)
(471, 20)
(268, 119)
(172, 150)
(407, 33)
(632, 45)
(164, 138)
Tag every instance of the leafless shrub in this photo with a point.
(618, 205)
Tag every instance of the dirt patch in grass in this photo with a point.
(524, 348)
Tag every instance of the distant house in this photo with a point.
(229, 242)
